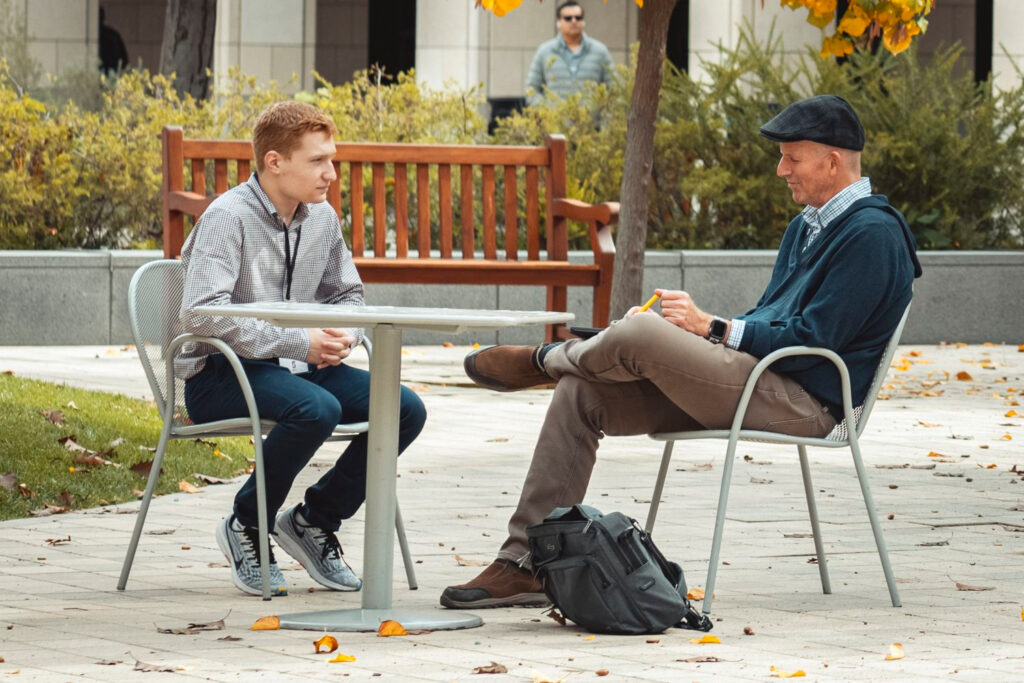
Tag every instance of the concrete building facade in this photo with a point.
(450, 41)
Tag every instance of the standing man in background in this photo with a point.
(562, 64)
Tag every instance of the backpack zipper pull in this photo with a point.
(586, 528)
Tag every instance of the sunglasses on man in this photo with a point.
(571, 17)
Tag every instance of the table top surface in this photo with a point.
(285, 313)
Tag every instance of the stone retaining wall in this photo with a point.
(80, 297)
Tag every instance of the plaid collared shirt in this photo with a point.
(817, 219)
(236, 254)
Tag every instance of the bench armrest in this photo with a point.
(600, 218)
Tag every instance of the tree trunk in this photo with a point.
(636, 175)
(187, 49)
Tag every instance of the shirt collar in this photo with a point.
(301, 211)
(564, 46)
(839, 203)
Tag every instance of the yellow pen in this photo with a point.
(650, 302)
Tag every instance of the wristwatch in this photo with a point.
(716, 331)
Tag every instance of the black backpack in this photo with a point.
(605, 573)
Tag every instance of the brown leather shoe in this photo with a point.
(506, 368)
(502, 584)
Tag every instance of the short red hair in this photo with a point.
(281, 126)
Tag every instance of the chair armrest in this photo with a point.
(764, 363)
(191, 203)
(171, 349)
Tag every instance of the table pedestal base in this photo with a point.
(369, 619)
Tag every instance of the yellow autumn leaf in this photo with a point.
(186, 487)
(695, 594)
(895, 652)
(390, 627)
(964, 376)
(1010, 413)
(589, 637)
(1022, 614)
(1020, 349)
(266, 624)
(779, 673)
(1006, 437)
(933, 454)
(342, 658)
(329, 642)
(705, 640)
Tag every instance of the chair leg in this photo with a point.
(716, 542)
(403, 543)
(261, 512)
(876, 529)
(812, 509)
(659, 485)
(140, 518)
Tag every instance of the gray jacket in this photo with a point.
(556, 68)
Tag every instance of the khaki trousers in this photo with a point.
(643, 375)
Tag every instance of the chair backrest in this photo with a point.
(863, 411)
(154, 305)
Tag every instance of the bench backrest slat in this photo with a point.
(401, 210)
(423, 210)
(532, 214)
(466, 196)
(355, 170)
(511, 220)
(490, 233)
(220, 176)
(199, 176)
(380, 211)
(444, 200)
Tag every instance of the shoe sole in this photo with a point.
(518, 600)
(469, 365)
(293, 549)
(225, 547)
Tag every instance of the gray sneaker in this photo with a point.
(240, 544)
(316, 550)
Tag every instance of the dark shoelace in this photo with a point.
(252, 536)
(331, 544)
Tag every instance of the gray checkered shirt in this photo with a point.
(817, 220)
(236, 254)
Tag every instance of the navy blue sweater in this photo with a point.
(846, 293)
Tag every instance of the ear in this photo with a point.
(272, 161)
(835, 161)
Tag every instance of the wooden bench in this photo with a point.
(468, 214)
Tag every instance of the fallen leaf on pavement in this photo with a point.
(705, 640)
(104, 662)
(556, 615)
(928, 424)
(465, 562)
(601, 672)
(186, 487)
(492, 668)
(230, 639)
(195, 627)
(58, 541)
(695, 594)
(390, 627)
(748, 631)
(163, 668)
(966, 587)
(48, 510)
(964, 376)
(706, 659)
(342, 658)
(779, 673)
(329, 642)
(543, 678)
(895, 652)
(266, 624)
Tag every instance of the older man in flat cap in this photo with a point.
(841, 281)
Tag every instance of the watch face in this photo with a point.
(717, 330)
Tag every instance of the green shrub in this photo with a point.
(948, 152)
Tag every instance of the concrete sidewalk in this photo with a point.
(955, 519)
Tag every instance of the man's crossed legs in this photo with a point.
(641, 375)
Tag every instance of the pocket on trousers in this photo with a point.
(804, 426)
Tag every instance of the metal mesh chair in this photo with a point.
(154, 300)
(841, 436)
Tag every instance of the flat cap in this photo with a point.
(827, 119)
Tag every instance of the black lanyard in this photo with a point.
(290, 259)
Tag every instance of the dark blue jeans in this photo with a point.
(306, 408)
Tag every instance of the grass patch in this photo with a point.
(123, 430)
